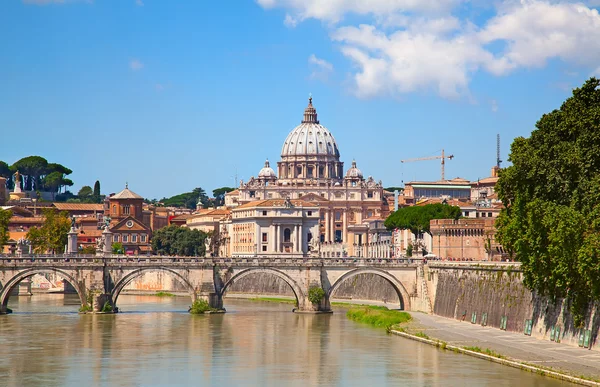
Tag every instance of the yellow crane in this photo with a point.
(443, 157)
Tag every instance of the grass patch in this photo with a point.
(474, 349)
(491, 352)
(200, 307)
(164, 294)
(378, 316)
(422, 335)
(347, 304)
(274, 299)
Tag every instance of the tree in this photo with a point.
(117, 248)
(175, 240)
(551, 193)
(219, 195)
(5, 170)
(53, 181)
(392, 189)
(417, 218)
(32, 167)
(188, 199)
(5, 216)
(52, 235)
(85, 192)
(97, 189)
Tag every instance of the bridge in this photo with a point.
(100, 280)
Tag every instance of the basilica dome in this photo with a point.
(267, 172)
(310, 138)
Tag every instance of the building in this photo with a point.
(125, 210)
(310, 170)
(274, 227)
(466, 240)
(457, 188)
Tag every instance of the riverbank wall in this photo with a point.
(495, 296)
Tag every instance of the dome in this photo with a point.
(267, 172)
(310, 138)
(354, 172)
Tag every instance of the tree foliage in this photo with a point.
(85, 192)
(392, 189)
(219, 195)
(117, 248)
(176, 240)
(96, 192)
(552, 197)
(417, 218)
(187, 199)
(52, 235)
(4, 220)
(5, 170)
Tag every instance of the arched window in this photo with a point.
(114, 209)
(299, 171)
(287, 235)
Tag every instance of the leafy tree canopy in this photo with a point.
(392, 189)
(97, 188)
(175, 240)
(4, 220)
(416, 218)
(5, 170)
(219, 195)
(188, 199)
(85, 192)
(52, 235)
(552, 196)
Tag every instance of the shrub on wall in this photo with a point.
(316, 294)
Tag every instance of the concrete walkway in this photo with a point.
(561, 357)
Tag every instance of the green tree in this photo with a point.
(5, 216)
(219, 195)
(392, 189)
(96, 194)
(551, 192)
(85, 192)
(52, 235)
(187, 199)
(32, 167)
(53, 181)
(117, 248)
(175, 240)
(5, 170)
(417, 218)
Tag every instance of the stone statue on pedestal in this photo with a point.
(207, 247)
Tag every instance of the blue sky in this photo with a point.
(172, 95)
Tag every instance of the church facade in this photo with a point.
(310, 170)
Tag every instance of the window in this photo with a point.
(483, 214)
(270, 195)
(321, 172)
(287, 235)
(369, 214)
(309, 213)
(322, 216)
(489, 214)
(299, 171)
(264, 248)
(126, 209)
(252, 194)
(352, 195)
(466, 214)
(264, 213)
(125, 238)
(322, 194)
(310, 171)
(143, 237)
(134, 238)
(116, 238)
(338, 215)
(114, 209)
(370, 194)
(264, 237)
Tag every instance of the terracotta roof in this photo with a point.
(126, 194)
(487, 180)
(234, 192)
(181, 217)
(79, 207)
(32, 219)
(276, 203)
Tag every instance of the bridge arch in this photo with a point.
(116, 291)
(403, 295)
(14, 281)
(300, 296)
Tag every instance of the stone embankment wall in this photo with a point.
(360, 287)
(499, 291)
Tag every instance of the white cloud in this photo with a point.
(139, 3)
(411, 45)
(494, 105)
(135, 64)
(289, 21)
(321, 69)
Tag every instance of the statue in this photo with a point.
(314, 247)
(100, 243)
(288, 203)
(106, 222)
(72, 223)
(207, 247)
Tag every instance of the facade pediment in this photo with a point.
(129, 224)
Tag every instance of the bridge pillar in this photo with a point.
(309, 278)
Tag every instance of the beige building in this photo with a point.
(310, 170)
(273, 227)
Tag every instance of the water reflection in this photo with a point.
(156, 343)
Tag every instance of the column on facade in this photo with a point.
(257, 239)
(272, 234)
(345, 226)
(277, 238)
(300, 240)
(327, 225)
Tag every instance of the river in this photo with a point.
(155, 342)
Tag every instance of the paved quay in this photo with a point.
(572, 360)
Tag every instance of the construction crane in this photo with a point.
(498, 161)
(443, 157)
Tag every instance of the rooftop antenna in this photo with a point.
(498, 161)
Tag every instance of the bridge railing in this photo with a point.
(78, 260)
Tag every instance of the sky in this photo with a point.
(173, 95)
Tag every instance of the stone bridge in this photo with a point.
(100, 280)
